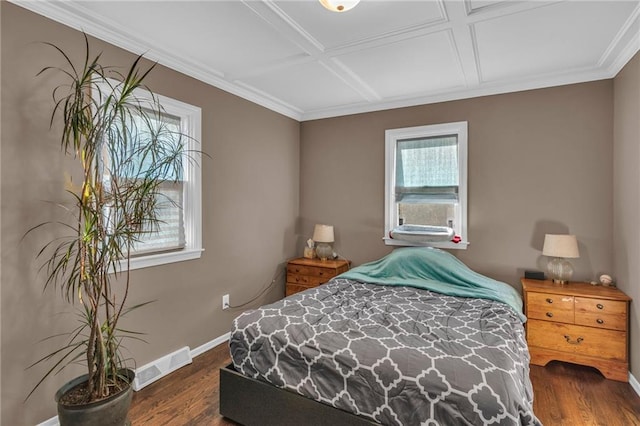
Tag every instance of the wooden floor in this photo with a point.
(565, 394)
(188, 396)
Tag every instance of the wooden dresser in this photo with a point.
(305, 273)
(578, 323)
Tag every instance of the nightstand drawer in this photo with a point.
(299, 269)
(551, 307)
(600, 343)
(323, 273)
(307, 280)
(313, 271)
(610, 314)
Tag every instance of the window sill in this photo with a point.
(462, 245)
(161, 259)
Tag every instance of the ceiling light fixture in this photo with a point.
(339, 5)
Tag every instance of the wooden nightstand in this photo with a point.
(305, 273)
(578, 323)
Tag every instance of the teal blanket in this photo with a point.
(433, 269)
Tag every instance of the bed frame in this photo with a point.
(251, 402)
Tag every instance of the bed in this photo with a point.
(413, 338)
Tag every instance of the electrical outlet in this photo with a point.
(225, 301)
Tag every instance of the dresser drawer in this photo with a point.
(576, 339)
(299, 269)
(325, 273)
(550, 307)
(307, 280)
(609, 314)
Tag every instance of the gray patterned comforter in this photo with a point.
(397, 355)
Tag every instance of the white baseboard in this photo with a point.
(634, 383)
(53, 421)
(161, 367)
(210, 345)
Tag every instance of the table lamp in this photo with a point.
(323, 236)
(560, 247)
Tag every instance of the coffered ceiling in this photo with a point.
(301, 60)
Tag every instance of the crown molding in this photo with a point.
(626, 43)
(73, 15)
(485, 89)
(624, 46)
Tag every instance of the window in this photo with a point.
(426, 180)
(177, 236)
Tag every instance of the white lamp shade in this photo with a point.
(323, 234)
(560, 245)
(339, 5)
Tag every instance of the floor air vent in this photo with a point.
(153, 371)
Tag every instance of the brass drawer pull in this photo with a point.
(549, 314)
(549, 300)
(573, 342)
(600, 321)
(600, 306)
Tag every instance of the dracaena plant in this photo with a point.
(125, 152)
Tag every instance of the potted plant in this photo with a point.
(124, 152)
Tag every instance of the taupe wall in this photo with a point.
(250, 206)
(539, 162)
(626, 195)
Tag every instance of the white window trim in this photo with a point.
(190, 122)
(391, 138)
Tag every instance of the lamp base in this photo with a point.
(560, 270)
(324, 251)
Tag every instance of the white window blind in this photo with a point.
(427, 170)
(168, 233)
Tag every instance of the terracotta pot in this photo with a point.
(111, 411)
